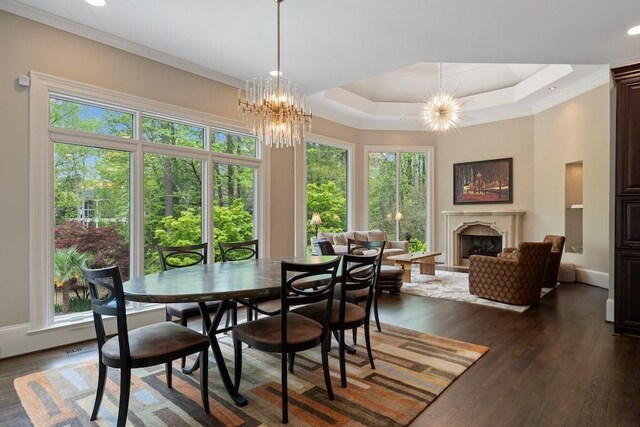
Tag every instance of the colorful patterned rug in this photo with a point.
(412, 370)
(454, 286)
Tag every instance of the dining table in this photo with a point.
(225, 282)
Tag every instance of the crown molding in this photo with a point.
(576, 89)
(69, 26)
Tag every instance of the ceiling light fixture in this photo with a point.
(441, 111)
(97, 3)
(634, 31)
(552, 87)
(273, 109)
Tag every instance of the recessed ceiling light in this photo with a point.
(552, 88)
(275, 73)
(402, 119)
(634, 31)
(98, 3)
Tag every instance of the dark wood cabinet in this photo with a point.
(627, 173)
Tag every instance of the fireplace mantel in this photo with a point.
(508, 223)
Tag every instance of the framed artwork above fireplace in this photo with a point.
(484, 181)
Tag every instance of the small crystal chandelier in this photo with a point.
(273, 109)
(441, 111)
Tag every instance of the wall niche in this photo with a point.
(573, 205)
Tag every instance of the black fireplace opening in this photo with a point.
(480, 245)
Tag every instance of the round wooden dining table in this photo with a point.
(222, 282)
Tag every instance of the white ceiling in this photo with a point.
(356, 45)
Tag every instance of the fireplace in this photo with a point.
(480, 233)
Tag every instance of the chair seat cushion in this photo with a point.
(190, 309)
(357, 295)
(152, 341)
(354, 315)
(265, 333)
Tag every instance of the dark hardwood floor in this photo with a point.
(556, 364)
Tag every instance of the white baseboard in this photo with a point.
(19, 339)
(610, 310)
(592, 277)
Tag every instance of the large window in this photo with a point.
(327, 178)
(115, 176)
(398, 189)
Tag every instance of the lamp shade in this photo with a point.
(315, 219)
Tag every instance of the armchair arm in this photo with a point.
(510, 250)
(398, 244)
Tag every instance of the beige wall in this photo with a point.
(576, 130)
(508, 138)
(28, 45)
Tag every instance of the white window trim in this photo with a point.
(300, 176)
(41, 231)
(429, 151)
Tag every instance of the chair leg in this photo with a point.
(169, 371)
(292, 359)
(354, 332)
(237, 349)
(249, 314)
(367, 340)
(341, 356)
(102, 377)
(324, 348)
(375, 311)
(285, 390)
(204, 379)
(125, 388)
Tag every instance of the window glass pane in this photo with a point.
(234, 204)
(91, 203)
(172, 205)
(89, 118)
(172, 133)
(231, 143)
(382, 192)
(327, 177)
(413, 200)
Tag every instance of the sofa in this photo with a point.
(339, 242)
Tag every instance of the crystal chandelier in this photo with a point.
(273, 108)
(441, 111)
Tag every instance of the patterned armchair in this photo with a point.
(512, 280)
(551, 274)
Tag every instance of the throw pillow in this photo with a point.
(342, 238)
(376, 236)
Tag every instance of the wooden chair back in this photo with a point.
(182, 256)
(239, 251)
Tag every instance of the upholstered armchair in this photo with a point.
(551, 274)
(512, 280)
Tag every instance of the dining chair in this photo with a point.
(242, 251)
(358, 274)
(287, 333)
(137, 348)
(358, 296)
(186, 256)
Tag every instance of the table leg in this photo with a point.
(406, 270)
(211, 327)
(427, 266)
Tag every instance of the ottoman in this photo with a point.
(567, 273)
(390, 279)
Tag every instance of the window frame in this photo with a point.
(42, 137)
(300, 175)
(429, 152)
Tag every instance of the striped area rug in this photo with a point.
(412, 369)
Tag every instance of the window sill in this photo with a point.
(85, 321)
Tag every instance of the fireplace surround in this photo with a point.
(485, 228)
